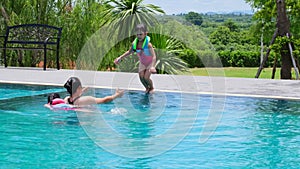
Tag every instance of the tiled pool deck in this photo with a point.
(266, 88)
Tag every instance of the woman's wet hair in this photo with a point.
(141, 27)
(52, 96)
(72, 85)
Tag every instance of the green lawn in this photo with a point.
(235, 72)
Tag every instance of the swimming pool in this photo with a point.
(162, 130)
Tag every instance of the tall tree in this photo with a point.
(283, 26)
(266, 12)
(194, 18)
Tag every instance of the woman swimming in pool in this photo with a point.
(75, 89)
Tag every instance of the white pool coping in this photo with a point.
(210, 85)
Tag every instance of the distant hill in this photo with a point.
(247, 12)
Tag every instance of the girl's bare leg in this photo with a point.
(149, 81)
(144, 81)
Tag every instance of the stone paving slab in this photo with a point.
(265, 88)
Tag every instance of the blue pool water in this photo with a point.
(163, 130)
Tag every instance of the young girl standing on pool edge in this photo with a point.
(144, 49)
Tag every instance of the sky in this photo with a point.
(200, 6)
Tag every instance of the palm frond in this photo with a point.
(126, 14)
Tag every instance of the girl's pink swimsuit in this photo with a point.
(145, 56)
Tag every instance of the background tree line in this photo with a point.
(237, 37)
(233, 38)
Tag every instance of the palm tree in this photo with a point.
(168, 49)
(124, 15)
